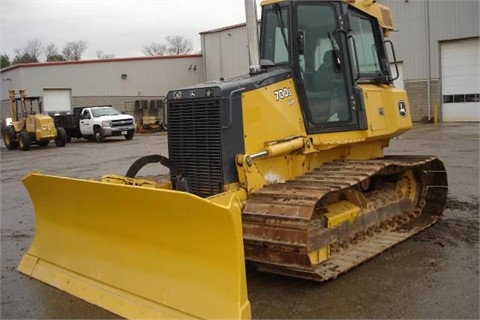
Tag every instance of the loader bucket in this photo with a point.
(138, 252)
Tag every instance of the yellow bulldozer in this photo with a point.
(29, 125)
(283, 167)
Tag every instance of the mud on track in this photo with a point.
(435, 274)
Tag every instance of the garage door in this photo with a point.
(460, 72)
(57, 100)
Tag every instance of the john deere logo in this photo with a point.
(402, 109)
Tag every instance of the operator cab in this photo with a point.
(335, 47)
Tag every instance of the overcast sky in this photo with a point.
(118, 27)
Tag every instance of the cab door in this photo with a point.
(86, 122)
(330, 101)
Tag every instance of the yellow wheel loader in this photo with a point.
(283, 167)
(29, 126)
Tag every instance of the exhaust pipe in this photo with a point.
(252, 36)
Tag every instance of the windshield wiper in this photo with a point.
(335, 48)
(279, 14)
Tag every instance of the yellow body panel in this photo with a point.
(341, 211)
(42, 125)
(382, 108)
(176, 255)
(266, 2)
(271, 113)
(319, 255)
(270, 119)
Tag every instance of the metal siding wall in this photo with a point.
(447, 20)
(235, 54)
(147, 77)
(101, 81)
(9, 80)
(212, 56)
(416, 22)
(226, 53)
(410, 36)
(144, 77)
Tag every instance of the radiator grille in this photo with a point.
(194, 130)
(122, 122)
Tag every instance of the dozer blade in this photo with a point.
(137, 252)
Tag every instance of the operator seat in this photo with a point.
(330, 85)
(322, 85)
(324, 75)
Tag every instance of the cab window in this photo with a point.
(321, 66)
(275, 34)
(86, 114)
(367, 49)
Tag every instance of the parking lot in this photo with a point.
(435, 274)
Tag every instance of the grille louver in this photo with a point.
(194, 129)
(122, 122)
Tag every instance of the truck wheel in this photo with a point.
(10, 138)
(61, 139)
(24, 141)
(130, 134)
(99, 137)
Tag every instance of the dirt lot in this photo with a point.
(435, 274)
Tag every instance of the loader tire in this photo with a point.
(61, 139)
(10, 138)
(24, 141)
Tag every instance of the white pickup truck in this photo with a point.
(105, 121)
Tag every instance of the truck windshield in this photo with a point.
(107, 111)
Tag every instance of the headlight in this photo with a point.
(106, 124)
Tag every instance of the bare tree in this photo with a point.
(154, 49)
(30, 53)
(73, 51)
(101, 55)
(52, 54)
(178, 45)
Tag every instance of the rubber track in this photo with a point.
(282, 223)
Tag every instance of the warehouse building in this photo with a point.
(436, 43)
(132, 85)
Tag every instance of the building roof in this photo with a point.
(235, 26)
(57, 63)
